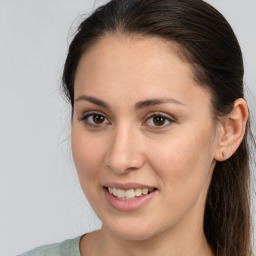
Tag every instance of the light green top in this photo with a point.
(66, 248)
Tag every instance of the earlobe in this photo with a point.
(232, 130)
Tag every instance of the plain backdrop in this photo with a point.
(40, 197)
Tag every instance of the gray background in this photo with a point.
(40, 197)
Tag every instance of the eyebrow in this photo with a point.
(93, 100)
(153, 102)
(138, 105)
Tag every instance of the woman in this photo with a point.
(159, 131)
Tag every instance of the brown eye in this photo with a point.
(159, 120)
(95, 119)
(98, 119)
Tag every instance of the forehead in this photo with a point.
(118, 52)
(124, 67)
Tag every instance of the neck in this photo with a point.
(104, 242)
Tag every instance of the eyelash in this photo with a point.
(92, 114)
(151, 116)
(161, 115)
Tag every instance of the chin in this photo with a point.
(132, 230)
(132, 235)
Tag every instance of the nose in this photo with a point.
(125, 152)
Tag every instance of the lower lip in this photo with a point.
(128, 205)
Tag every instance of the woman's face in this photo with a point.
(141, 123)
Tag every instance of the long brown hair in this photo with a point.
(208, 43)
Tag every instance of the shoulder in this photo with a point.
(68, 247)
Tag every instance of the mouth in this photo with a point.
(129, 194)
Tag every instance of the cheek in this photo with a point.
(87, 154)
(183, 161)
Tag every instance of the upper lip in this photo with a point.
(126, 186)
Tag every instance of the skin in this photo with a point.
(176, 157)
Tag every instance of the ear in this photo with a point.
(231, 130)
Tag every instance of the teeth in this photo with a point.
(120, 193)
(144, 191)
(138, 192)
(130, 193)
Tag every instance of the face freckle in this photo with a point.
(113, 78)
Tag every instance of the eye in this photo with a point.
(158, 121)
(95, 119)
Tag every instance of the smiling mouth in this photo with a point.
(129, 194)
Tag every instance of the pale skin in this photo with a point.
(124, 83)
